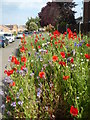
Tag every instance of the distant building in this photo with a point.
(86, 13)
(3, 28)
(12, 28)
(21, 28)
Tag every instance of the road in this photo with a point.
(4, 55)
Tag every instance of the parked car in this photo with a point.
(10, 37)
(26, 33)
(3, 41)
(19, 35)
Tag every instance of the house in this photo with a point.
(3, 28)
(21, 28)
(13, 28)
(86, 12)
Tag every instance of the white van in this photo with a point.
(10, 37)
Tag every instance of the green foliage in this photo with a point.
(35, 20)
(51, 96)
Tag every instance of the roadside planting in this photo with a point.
(49, 79)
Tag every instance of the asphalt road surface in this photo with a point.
(4, 55)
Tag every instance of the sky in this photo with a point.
(18, 11)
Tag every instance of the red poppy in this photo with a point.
(40, 35)
(56, 33)
(72, 60)
(23, 35)
(22, 49)
(88, 45)
(61, 46)
(65, 77)
(59, 41)
(62, 54)
(65, 33)
(16, 62)
(22, 67)
(49, 34)
(23, 59)
(68, 30)
(52, 38)
(36, 40)
(39, 47)
(13, 59)
(79, 39)
(5, 71)
(41, 74)
(62, 63)
(9, 72)
(43, 38)
(87, 56)
(12, 84)
(56, 43)
(54, 58)
(8, 99)
(68, 54)
(73, 111)
(51, 44)
(14, 69)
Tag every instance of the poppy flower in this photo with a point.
(72, 60)
(68, 30)
(12, 84)
(41, 74)
(68, 54)
(88, 45)
(16, 62)
(62, 54)
(73, 111)
(23, 59)
(52, 38)
(23, 35)
(62, 63)
(43, 38)
(14, 69)
(22, 49)
(36, 40)
(5, 71)
(56, 43)
(65, 77)
(39, 47)
(9, 72)
(8, 99)
(87, 56)
(13, 59)
(54, 58)
(22, 67)
(56, 33)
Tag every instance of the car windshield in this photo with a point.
(20, 33)
(8, 35)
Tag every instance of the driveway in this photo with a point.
(4, 54)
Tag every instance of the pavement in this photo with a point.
(4, 55)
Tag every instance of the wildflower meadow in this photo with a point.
(48, 80)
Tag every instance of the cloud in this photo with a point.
(36, 4)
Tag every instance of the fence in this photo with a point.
(84, 28)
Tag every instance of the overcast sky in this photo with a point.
(17, 11)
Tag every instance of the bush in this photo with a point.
(33, 26)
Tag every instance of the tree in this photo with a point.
(56, 12)
(35, 20)
(33, 26)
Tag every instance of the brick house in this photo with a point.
(86, 16)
